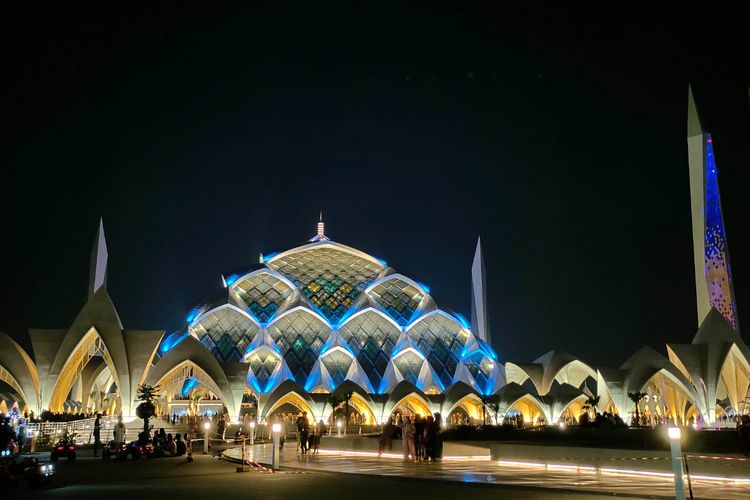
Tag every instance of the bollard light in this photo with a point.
(252, 432)
(276, 428)
(676, 451)
(561, 424)
(206, 427)
(338, 427)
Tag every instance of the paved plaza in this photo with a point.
(207, 477)
(627, 477)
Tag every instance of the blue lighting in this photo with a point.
(424, 287)
(270, 256)
(231, 279)
(382, 262)
(188, 386)
(462, 320)
(194, 313)
(172, 340)
(716, 262)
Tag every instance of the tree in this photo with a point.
(636, 397)
(347, 397)
(147, 395)
(485, 402)
(494, 407)
(592, 403)
(334, 401)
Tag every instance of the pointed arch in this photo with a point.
(293, 398)
(89, 346)
(530, 407)
(176, 377)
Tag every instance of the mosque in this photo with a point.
(324, 319)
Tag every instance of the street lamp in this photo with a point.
(338, 427)
(206, 428)
(676, 451)
(252, 432)
(276, 429)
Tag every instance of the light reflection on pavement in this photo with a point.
(609, 480)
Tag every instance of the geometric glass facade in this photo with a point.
(342, 297)
(226, 332)
(398, 298)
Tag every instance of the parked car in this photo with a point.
(64, 448)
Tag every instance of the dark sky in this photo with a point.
(205, 135)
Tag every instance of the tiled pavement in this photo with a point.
(611, 480)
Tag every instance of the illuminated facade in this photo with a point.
(324, 319)
(713, 274)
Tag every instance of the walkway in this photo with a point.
(611, 480)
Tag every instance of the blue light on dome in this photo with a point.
(231, 279)
(462, 320)
(270, 256)
(382, 261)
(424, 287)
(194, 313)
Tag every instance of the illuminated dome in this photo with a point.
(324, 313)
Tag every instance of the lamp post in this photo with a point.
(676, 451)
(206, 428)
(252, 432)
(276, 429)
(338, 427)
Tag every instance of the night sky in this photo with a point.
(204, 136)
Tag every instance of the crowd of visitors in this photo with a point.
(420, 437)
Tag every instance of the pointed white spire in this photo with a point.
(321, 234)
(99, 256)
(693, 119)
(479, 320)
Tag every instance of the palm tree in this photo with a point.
(147, 395)
(494, 406)
(485, 401)
(636, 397)
(592, 403)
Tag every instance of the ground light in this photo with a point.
(206, 429)
(675, 447)
(276, 430)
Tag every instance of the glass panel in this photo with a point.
(226, 333)
(332, 279)
(398, 298)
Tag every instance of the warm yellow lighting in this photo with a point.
(207, 425)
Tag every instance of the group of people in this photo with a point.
(420, 437)
(308, 437)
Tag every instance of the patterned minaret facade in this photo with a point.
(713, 274)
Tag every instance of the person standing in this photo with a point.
(407, 438)
(419, 426)
(303, 428)
(119, 433)
(97, 432)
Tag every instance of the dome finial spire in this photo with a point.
(321, 226)
(321, 235)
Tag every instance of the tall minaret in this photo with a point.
(479, 321)
(713, 274)
(99, 256)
